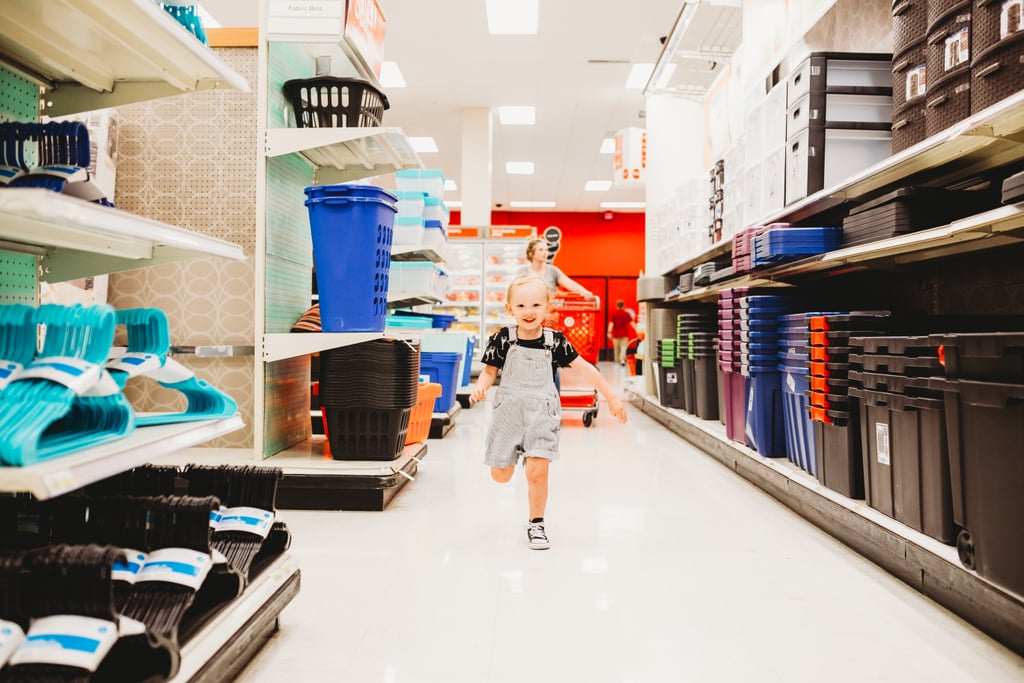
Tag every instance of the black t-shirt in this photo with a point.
(562, 352)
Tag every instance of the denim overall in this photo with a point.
(527, 412)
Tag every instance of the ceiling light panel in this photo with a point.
(519, 167)
(512, 17)
(598, 186)
(531, 205)
(449, 185)
(608, 146)
(517, 116)
(623, 205)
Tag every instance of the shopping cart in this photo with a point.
(575, 316)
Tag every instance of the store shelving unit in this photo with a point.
(292, 159)
(988, 140)
(135, 51)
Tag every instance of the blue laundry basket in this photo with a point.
(351, 227)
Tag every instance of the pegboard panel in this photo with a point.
(286, 417)
(19, 279)
(190, 161)
(287, 61)
(19, 97)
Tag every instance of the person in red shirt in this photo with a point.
(620, 330)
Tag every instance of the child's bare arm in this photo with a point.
(591, 374)
(483, 383)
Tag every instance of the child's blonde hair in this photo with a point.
(523, 280)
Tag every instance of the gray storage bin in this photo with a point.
(817, 158)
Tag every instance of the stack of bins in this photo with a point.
(367, 393)
(794, 357)
(759, 364)
(670, 383)
(733, 390)
(837, 434)
(779, 245)
(949, 64)
(695, 338)
(443, 368)
(909, 71)
(903, 429)
(984, 400)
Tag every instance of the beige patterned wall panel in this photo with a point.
(854, 26)
(190, 161)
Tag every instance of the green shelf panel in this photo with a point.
(286, 62)
(19, 278)
(287, 219)
(286, 417)
(289, 287)
(19, 97)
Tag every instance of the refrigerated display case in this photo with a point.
(480, 268)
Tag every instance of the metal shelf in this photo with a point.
(121, 51)
(293, 344)
(346, 154)
(240, 629)
(403, 254)
(63, 474)
(78, 238)
(986, 140)
(402, 299)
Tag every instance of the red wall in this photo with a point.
(590, 244)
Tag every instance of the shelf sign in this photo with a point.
(463, 232)
(364, 32)
(630, 164)
(311, 20)
(513, 232)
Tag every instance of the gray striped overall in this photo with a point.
(527, 413)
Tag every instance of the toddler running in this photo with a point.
(527, 413)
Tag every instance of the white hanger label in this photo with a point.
(11, 636)
(129, 571)
(134, 363)
(74, 373)
(182, 566)
(9, 370)
(253, 520)
(67, 639)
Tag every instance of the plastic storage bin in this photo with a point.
(408, 231)
(765, 425)
(422, 413)
(428, 180)
(410, 203)
(366, 433)
(800, 444)
(434, 209)
(987, 357)
(352, 228)
(817, 158)
(442, 368)
(453, 341)
(837, 70)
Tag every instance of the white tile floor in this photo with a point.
(664, 566)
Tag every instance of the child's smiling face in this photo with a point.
(528, 304)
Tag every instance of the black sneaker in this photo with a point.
(536, 536)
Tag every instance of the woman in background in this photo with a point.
(538, 266)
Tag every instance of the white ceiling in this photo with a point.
(573, 72)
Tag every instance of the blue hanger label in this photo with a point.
(74, 373)
(11, 636)
(9, 370)
(68, 640)
(129, 570)
(183, 566)
(9, 173)
(134, 363)
(252, 520)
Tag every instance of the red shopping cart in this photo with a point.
(575, 316)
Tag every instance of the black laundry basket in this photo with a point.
(332, 102)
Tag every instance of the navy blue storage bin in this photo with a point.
(765, 424)
(774, 246)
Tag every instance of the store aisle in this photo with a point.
(664, 566)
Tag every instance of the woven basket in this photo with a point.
(332, 102)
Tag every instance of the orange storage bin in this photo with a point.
(422, 412)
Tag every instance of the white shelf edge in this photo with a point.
(62, 474)
(292, 344)
(230, 621)
(326, 149)
(71, 229)
(152, 55)
(416, 253)
(400, 299)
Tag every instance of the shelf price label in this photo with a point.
(297, 20)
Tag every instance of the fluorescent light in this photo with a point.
(453, 204)
(517, 116)
(512, 17)
(623, 205)
(598, 186)
(641, 73)
(532, 205)
(519, 167)
(608, 146)
(391, 76)
(449, 185)
(425, 144)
